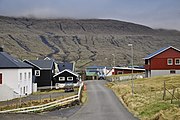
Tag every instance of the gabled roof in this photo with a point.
(7, 61)
(65, 65)
(160, 51)
(66, 70)
(41, 64)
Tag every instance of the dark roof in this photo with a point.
(65, 65)
(7, 61)
(66, 70)
(159, 51)
(41, 64)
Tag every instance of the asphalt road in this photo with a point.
(102, 105)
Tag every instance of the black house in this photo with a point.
(66, 76)
(43, 71)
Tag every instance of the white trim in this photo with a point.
(61, 78)
(66, 70)
(168, 61)
(69, 78)
(177, 59)
(35, 73)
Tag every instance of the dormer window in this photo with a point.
(170, 61)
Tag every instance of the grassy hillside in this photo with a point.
(85, 41)
(147, 102)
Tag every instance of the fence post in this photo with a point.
(172, 95)
(164, 94)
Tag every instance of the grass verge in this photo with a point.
(147, 102)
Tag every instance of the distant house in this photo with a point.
(43, 71)
(96, 72)
(124, 70)
(66, 65)
(65, 77)
(15, 77)
(163, 62)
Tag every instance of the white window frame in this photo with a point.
(36, 72)
(168, 61)
(61, 78)
(69, 78)
(177, 63)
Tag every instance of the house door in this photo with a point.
(0, 78)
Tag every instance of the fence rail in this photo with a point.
(47, 105)
(127, 77)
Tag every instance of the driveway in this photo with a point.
(102, 105)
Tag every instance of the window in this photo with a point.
(170, 61)
(120, 72)
(61, 78)
(0, 78)
(172, 72)
(69, 78)
(26, 89)
(177, 61)
(20, 76)
(37, 72)
(25, 76)
(21, 91)
(29, 75)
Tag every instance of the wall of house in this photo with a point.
(6, 93)
(65, 74)
(11, 78)
(45, 78)
(12, 86)
(161, 72)
(25, 83)
(159, 62)
(121, 71)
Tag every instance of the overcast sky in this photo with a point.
(153, 13)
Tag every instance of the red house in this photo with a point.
(124, 70)
(163, 62)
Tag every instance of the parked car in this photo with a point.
(69, 87)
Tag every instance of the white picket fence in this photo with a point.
(47, 105)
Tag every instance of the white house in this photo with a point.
(15, 77)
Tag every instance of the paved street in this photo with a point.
(102, 105)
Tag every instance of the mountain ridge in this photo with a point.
(85, 41)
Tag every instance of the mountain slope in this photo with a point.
(88, 42)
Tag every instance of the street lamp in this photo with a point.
(114, 59)
(131, 45)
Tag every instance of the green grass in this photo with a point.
(154, 108)
(147, 102)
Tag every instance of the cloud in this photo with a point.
(155, 13)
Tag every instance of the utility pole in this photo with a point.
(131, 45)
